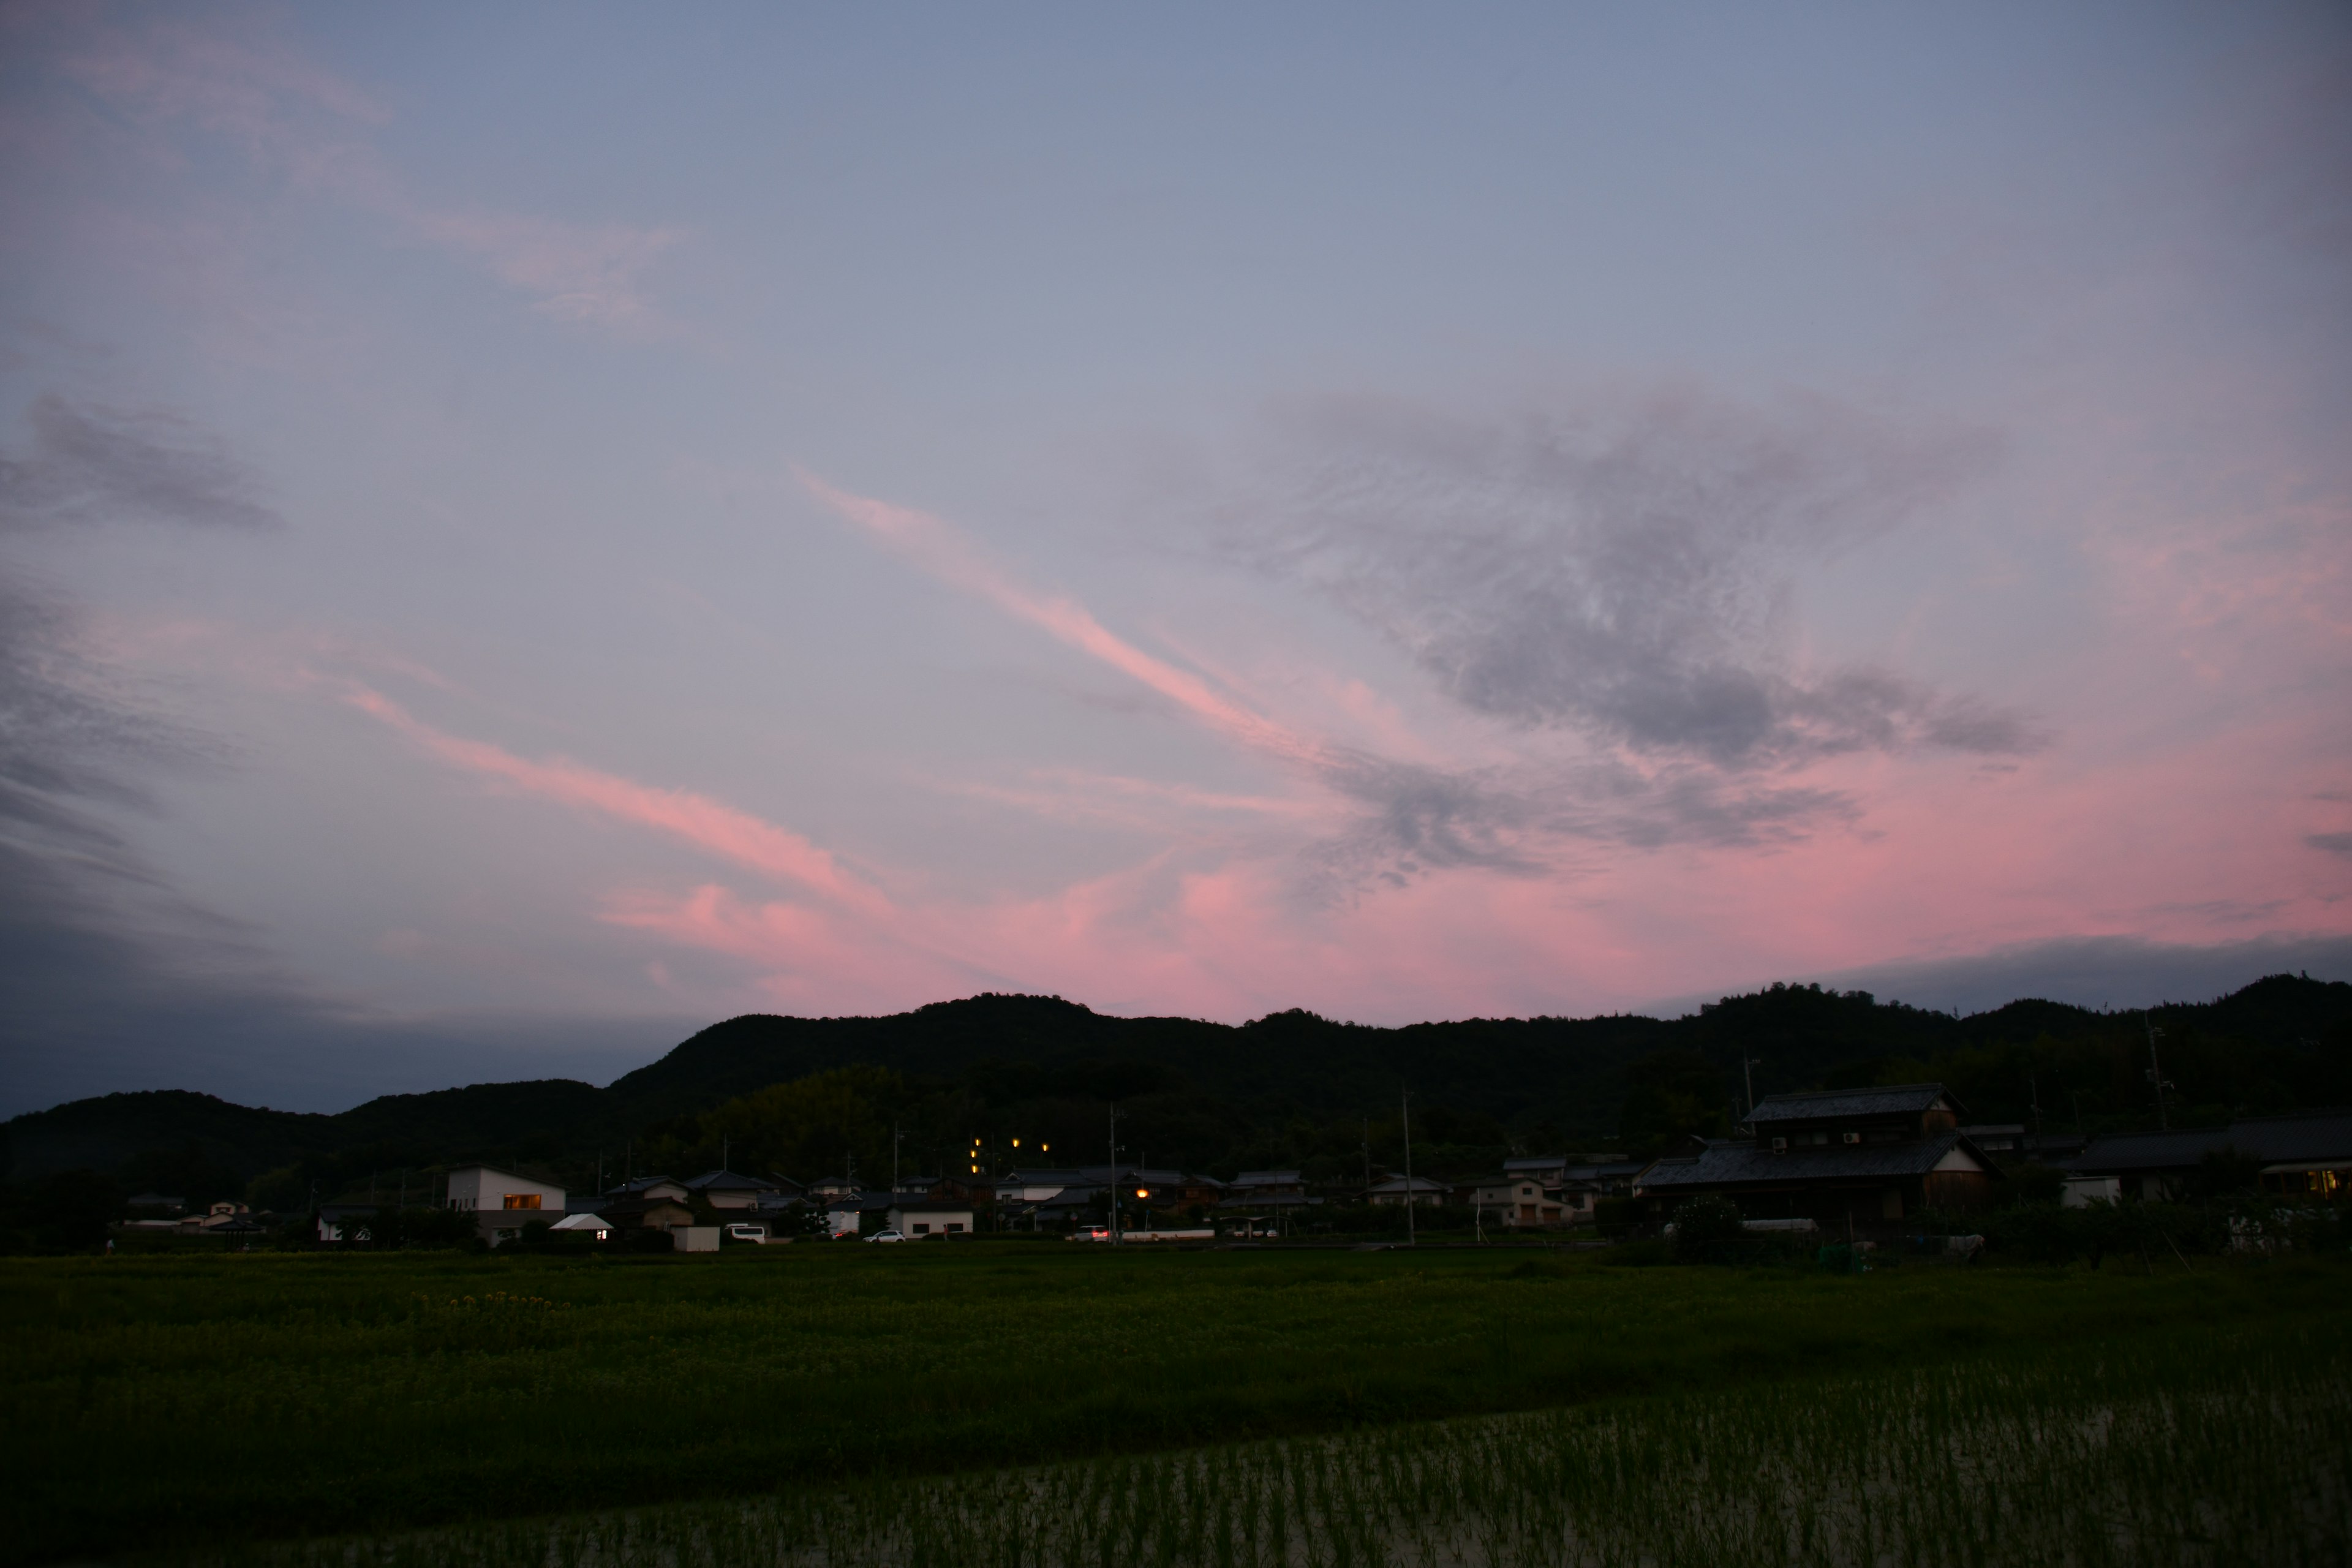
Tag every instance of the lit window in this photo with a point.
(522, 1200)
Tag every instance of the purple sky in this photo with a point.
(526, 530)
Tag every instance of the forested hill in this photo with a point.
(1275, 1090)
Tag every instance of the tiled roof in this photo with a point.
(1268, 1179)
(1739, 1164)
(2274, 1140)
(729, 1182)
(1896, 1100)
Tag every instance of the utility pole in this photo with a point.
(1748, 1066)
(1367, 1153)
(1404, 1110)
(2033, 1089)
(726, 1150)
(2156, 1073)
(1113, 1188)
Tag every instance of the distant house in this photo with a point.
(650, 1187)
(1266, 1191)
(1156, 1186)
(345, 1222)
(1034, 1184)
(917, 1218)
(1399, 1191)
(2013, 1142)
(218, 1218)
(594, 1226)
(1859, 1159)
(503, 1200)
(1531, 1201)
(2307, 1154)
(653, 1212)
(726, 1190)
(825, 1189)
(846, 1214)
(1612, 1174)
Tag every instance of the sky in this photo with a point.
(525, 531)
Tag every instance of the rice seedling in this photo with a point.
(2205, 1448)
(176, 1404)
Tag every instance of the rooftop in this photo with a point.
(730, 1182)
(2305, 1135)
(1823, 1105)
(1737, 1165)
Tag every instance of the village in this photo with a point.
(1859, 1166)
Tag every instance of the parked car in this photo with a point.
(755, 1233)
(885, 1235)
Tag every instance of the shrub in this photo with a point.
(1701, 1220)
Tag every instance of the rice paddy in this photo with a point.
(981, 1405)
(2233, 1453)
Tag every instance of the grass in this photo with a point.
(172, 1402)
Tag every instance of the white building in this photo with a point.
(917, 1220)
(502, 1202)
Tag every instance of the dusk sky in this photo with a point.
(527, 529)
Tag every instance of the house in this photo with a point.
(1156, 1187)
(1856, 1159)
(2305, 1154)
(1266, 1191)
(650, 1187)
(846, 1214)
(726, 1190)
(653, 1212)
(502, 1201)
(1398, 1191)
(825, 1189)
(915, 1218)
(2013, 1142)
(1525, 1201)
(594, 1226)
(345, 1222)
(1020, 1189)
(216, 1218)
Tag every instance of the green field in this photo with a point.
(172, 1403)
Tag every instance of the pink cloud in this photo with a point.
(942, 550)
(709, 825)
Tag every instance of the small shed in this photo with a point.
(917, 1221)
(594, 1226)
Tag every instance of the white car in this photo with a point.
(885, 1235)
(756, 1233)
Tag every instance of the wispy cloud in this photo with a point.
(91, 463)
(709, 825)
(1620, 569)
(1387, 819)
(230, 77)
(947, 554)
